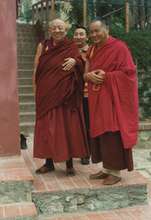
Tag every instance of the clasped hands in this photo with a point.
(68, 64)
(97, 77)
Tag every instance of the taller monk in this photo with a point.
(113, 103)
(59, 131)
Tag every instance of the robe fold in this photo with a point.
(114, 105)
(54, 85)
(59, 131)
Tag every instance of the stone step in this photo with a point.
(26, 97)
(25, 89)
(28, 49)
(24, 26)
(27, 107)
(18, 211)
(25, 51)
(15, 180)
(25, 72)
(25, 81)
(26, 31)
(28, 38)
(133, 213)
(25, 45)
(25, 65)
(29, 65)
(27, 127)
(27, 117)
(25, 58)
(62, 195)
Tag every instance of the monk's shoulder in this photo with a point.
(120, 45)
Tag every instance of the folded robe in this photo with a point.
(114, 107)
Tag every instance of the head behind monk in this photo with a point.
(98, 32)
(57, 29)
(80, 36)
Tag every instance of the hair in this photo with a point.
(81, 27)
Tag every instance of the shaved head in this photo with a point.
(100, 24)
(57, 22)
(98, 32)
(57, 29)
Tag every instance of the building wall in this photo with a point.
(9, 107)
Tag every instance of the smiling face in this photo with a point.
(98, 32)
(80, 37)
(58, 30)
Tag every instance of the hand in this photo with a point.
(68, 64)
(97, 76)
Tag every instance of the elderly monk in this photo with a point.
(81, 37)
(113, 103)
(59, 131)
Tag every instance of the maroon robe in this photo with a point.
(114, 105)
(59, 130)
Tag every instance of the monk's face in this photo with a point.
(80, 37)
(98, 33)
(58, 30)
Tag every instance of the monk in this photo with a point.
(59, 131)
(81, 38)
(113, 103)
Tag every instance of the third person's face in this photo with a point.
(97, 33)
(80, 37)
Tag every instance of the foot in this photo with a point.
(85, 161)
(99, 175)
(70, 172)
(111, 180)
(45, 169)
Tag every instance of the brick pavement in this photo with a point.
(16, 170)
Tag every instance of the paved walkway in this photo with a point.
(142, 161)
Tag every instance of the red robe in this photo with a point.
(114, 107)
(59, 130)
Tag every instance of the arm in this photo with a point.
(36, 61)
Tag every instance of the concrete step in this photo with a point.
(23, 98)
(28, 38)
(25, 58)
(25, 81)
(15, 180)
(27, 117)
(25, 51)
(27, 107)
(25, 89)
(25, 65)
(133, 213)
(27, 127)
(18, 211)
(25, 73)
(61, 195)
(25, 45)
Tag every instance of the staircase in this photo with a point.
(26, 47)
